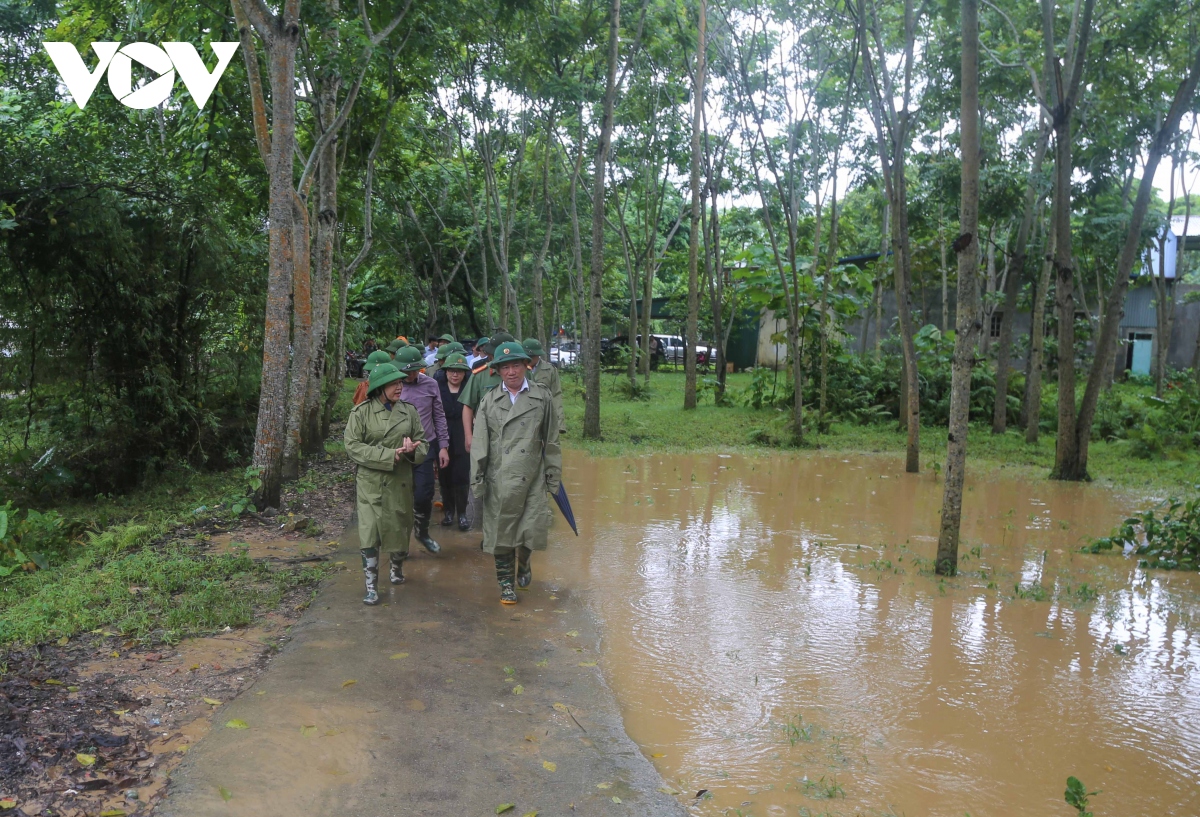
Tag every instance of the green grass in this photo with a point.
(659, 424)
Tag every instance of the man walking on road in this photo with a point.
(516, 463)
(423, 393)
(542, 371)
(483, 379)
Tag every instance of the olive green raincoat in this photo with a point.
(515, 461)
(547, 375)
(385, 485)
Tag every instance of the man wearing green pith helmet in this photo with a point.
(541, 371)
(483, 379)
(516, 463)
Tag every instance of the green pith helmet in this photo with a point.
(447, 338)
(456, 361)
(533, 347)
(384, 373)
(394, 345)
(508, 352)
(483, 346)
(409, 360)
(374, 359)
(446, 349)
(497, 340)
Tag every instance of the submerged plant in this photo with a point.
(1077, 796)
(1167, 538)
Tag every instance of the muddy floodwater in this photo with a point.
(774, 635)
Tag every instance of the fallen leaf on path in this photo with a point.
(192, 668)
(531, 738)
(7, 804)
(349, 683)
(587, 663)
(399, 655)
(225, 793)
(572, 634)
(604, 785)
(616, 800)
(530, 814)
(658, 754)
(112, 812)
(62, 642)
(561, 707)
(545, 662)
(212, 702)
(86, 760)
(72, 689)
(53, 682)
(549, 765)
(668, 790)
(308, 731)
(503, 807)
(236, 723)
(261, 692)
(119, 712)
(518, 689)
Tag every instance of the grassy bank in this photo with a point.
(659, 424)
(135, 565)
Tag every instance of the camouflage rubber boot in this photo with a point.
(524, 570)
(370, 561)
(396, 570)
(421, 524)
(506, 565)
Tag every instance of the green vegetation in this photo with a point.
(751, 421)
(1077, 796)
(1168, 538)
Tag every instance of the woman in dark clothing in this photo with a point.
(456, 478)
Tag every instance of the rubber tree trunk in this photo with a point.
(1012, 284)
(301, 340)
(968, 325)
(1037, 346)
(281, 35)
(591, 363)
(1068, 464)
(693, 297)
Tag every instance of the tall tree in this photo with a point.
(967, 325)
(694, 238)
(595, 303)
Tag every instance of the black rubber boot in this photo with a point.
(460, 503)
(524, 570)
(370, 561)
(506, 566)
(396, 571)
(421, 521)
(448, 514)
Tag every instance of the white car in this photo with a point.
(564, 355)
(673, 349)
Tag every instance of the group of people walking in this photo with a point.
(491, 429)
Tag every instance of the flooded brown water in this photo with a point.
(774, 634)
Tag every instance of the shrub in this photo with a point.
(1169, 539)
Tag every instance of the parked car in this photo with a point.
(564, 355)
(674, 349)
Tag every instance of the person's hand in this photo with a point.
(399, 454)
(467, 442)
(408, 446)
(443, 458)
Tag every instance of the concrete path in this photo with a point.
(440, 701)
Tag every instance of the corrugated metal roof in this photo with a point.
(1139, 307)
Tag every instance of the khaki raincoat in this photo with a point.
(515, 461)
(547, 375)
(385, 485)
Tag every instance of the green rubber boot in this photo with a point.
(524, 570)
(506, 567)
(370, 562)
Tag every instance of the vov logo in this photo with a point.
(118, 61)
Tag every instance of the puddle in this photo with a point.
(259, 544)
(774, 635)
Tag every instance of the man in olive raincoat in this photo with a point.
(385, 439)
(516, 463)
(483, 379)
(543, 371)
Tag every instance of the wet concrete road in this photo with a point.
(437, 702)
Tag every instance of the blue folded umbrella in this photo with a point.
(564, 505)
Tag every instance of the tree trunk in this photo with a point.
(302, 338)
(693, 298)
(311, 436)
(591, 408)
(968, 323)
(281, 34)
(1012, 284)
(1037, 344)
(539, 307)
(1106, 343)
(1067, 459)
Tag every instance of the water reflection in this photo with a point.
(773, 631)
